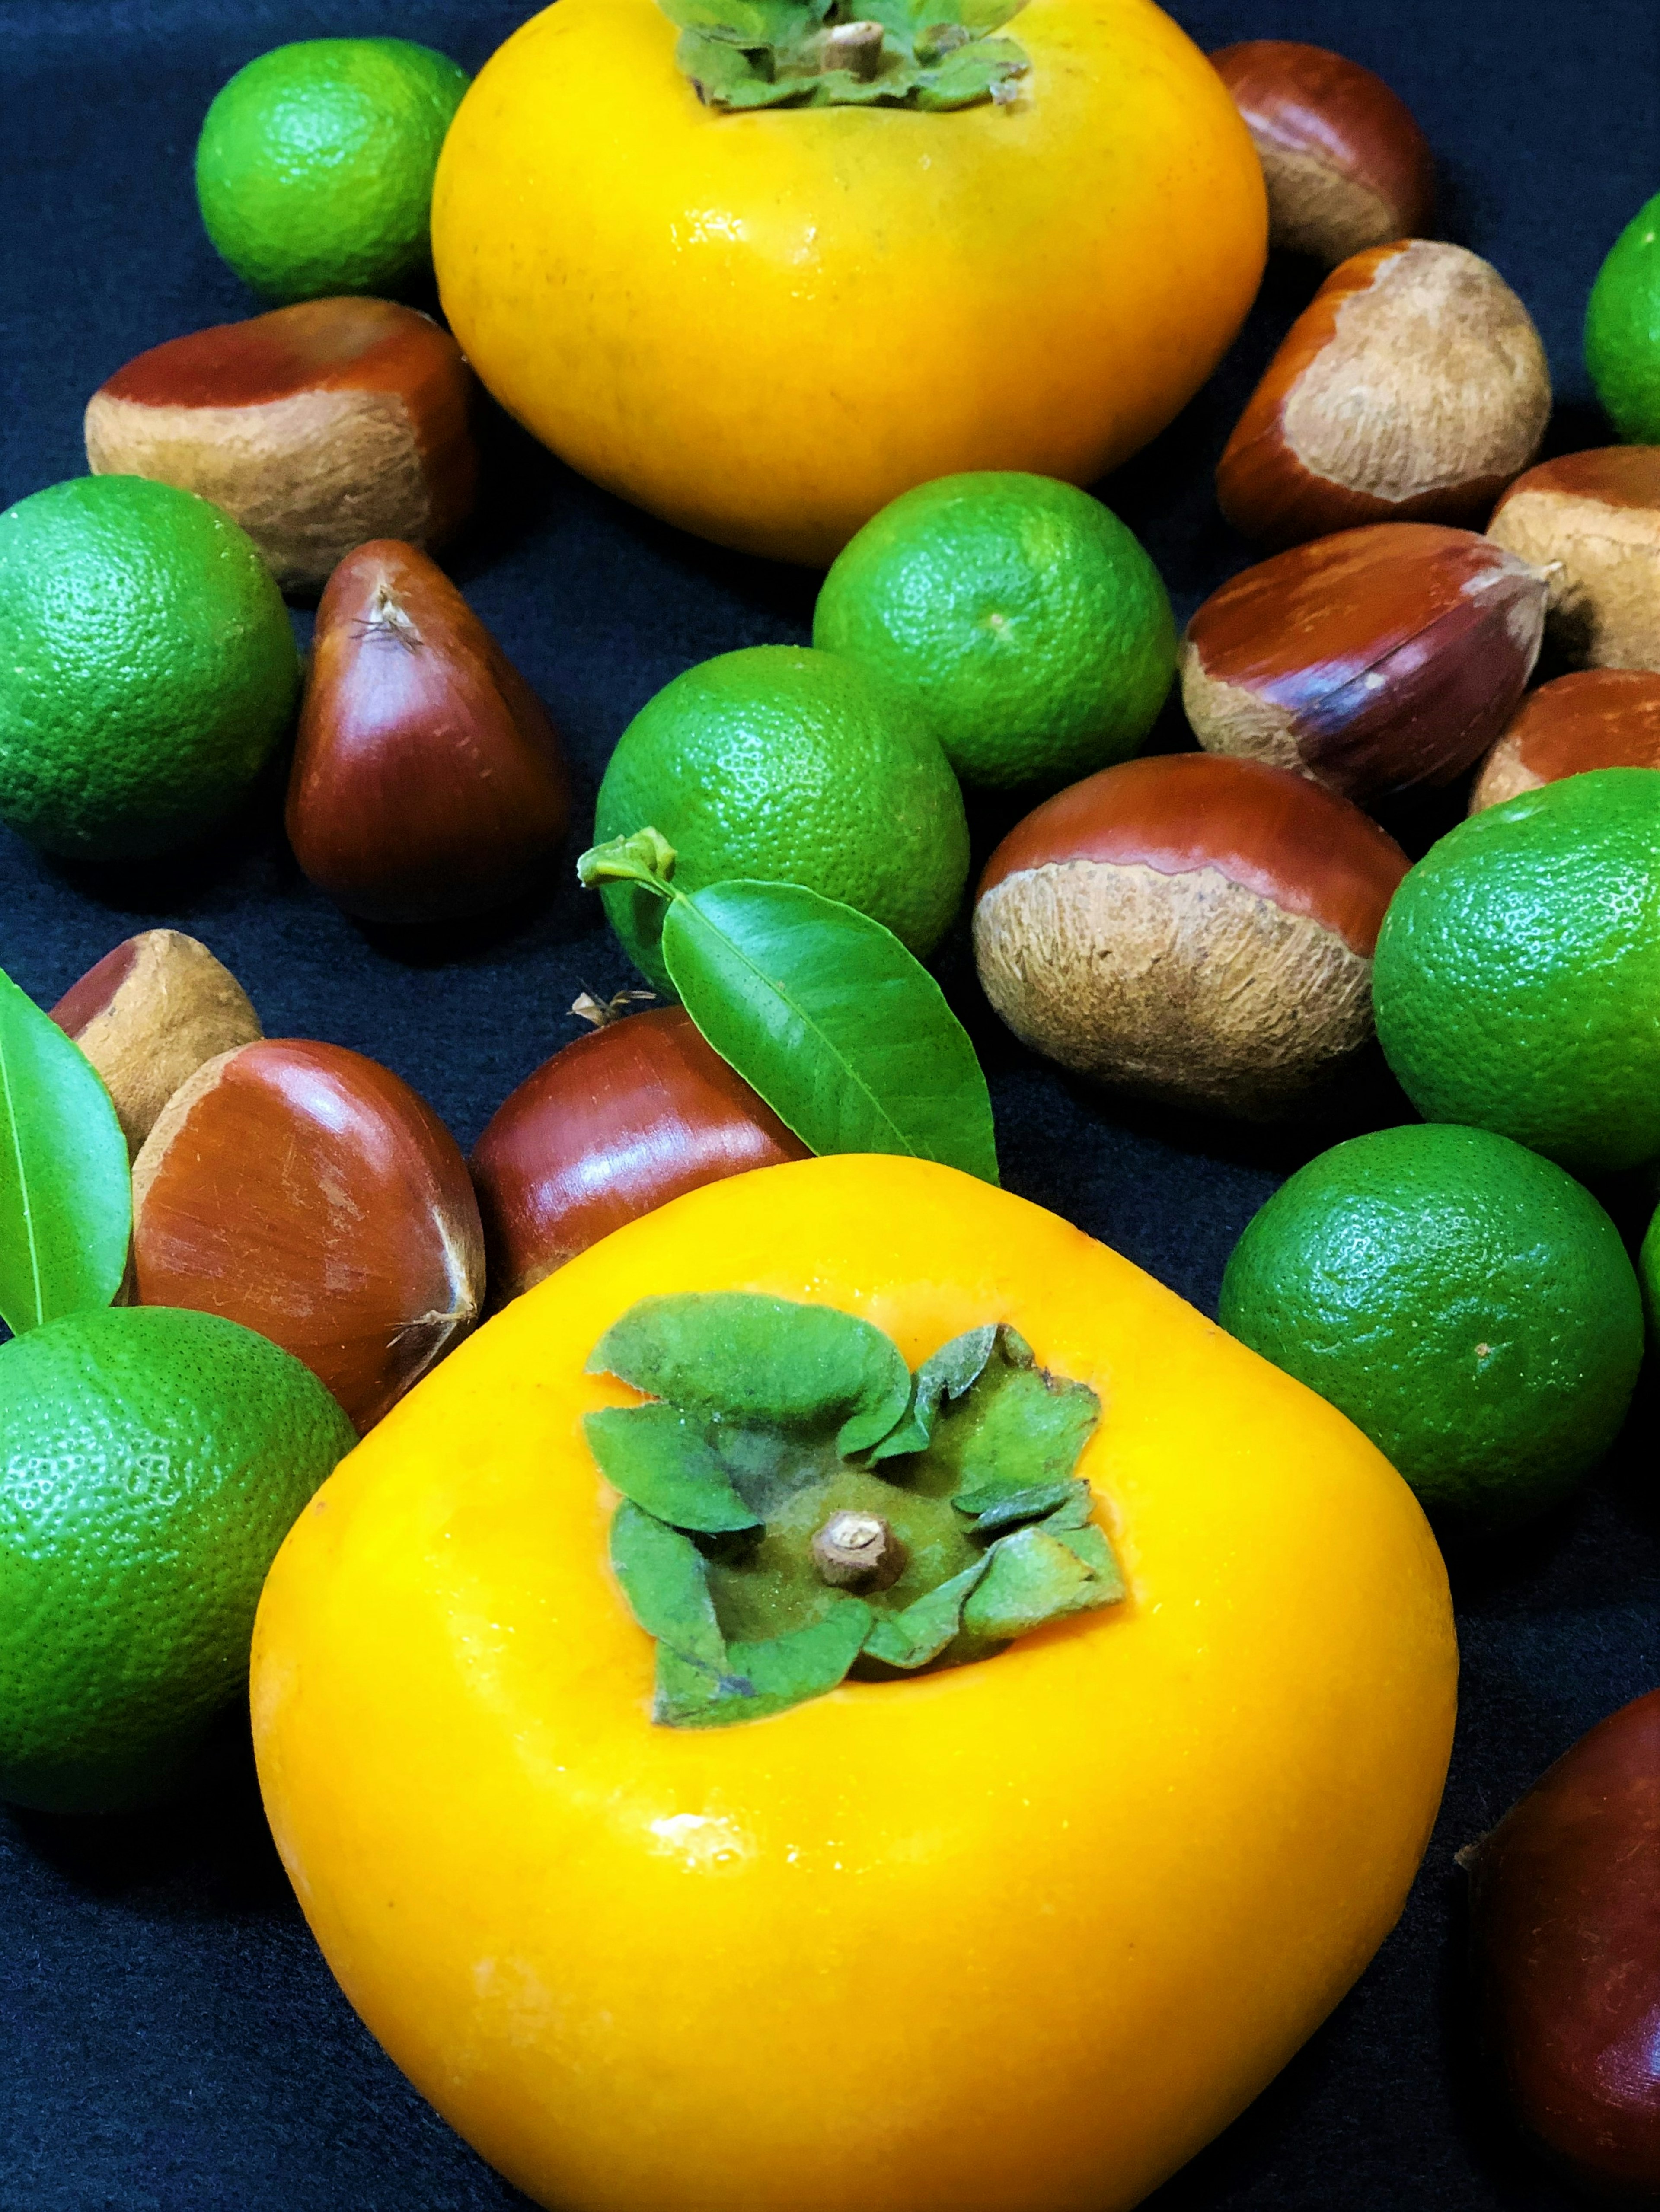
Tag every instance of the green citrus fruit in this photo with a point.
(315, 164)
(1464, 1302)
(151, 1461)
(147, 667)
(1024, 619)
(1518, 978)
(1622, 329)
(1648, 1268)
(785, 765)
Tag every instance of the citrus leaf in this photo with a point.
(763, 1678)
(842, 1030)
(749, 1358)
(664, 1581)
(659, 1459)
(65, 1186)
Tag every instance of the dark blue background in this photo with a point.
(169, 2036)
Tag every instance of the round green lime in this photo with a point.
(786, 765)
(151, 1462)
(1467, 1304)
(1648, 1269)
(1622, 329)
(1025, 621)
(1518, 978)
(148, 670)
(315, 164)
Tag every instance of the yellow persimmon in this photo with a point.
(1018, 1936)
(764, 325)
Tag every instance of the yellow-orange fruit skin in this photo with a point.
(652, 1970)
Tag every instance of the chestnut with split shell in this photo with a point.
(1376, 661)
(1595, 718)
(307, 1193)
(148, 1015)
(427, 782)
(1592, 522)
(1197, 930)
(316, 426)
(1346, 164)
(1413, 388)
(1565, 1908)
(634, 1114)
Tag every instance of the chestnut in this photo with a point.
(1413, 388)
(315, 427)
(634, 1114)
(1347, 166)
(1596, 718)
(1565, 1909)
(1375, 661)
(309, 1193)
(148, 1015)
(1592, 522)
(1197, 930)
(427, 782)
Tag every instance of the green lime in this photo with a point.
(785, 765)
(146, 668)
(1517, 979)
(1465, 1302)
(1648, 1269)
(152, 1463)
(1622, 329)
(315, 164)
(1024, 619)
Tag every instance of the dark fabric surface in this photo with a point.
(169, 2036)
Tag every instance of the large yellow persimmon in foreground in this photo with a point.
(1017, 1936)
(763, 326)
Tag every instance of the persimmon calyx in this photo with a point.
(797, 1506)
(931, 54)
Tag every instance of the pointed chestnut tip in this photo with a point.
(1345, 163)
(428, 781)
(624, 1118)
(314, 426)
(1413, 388)
(309, 1193)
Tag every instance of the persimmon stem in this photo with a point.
(858, 1551)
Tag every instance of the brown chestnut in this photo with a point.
(1592, 522)
(309, 1193)
(1413, 388)
(1376, 661)
(316, 426)
(1565, 1907)
(621, 1121)
(1596, 718)
(148, 1015)
(1197, 930)
(428, 781)
(1346, 164)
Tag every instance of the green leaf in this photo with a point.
(1031, 1577)
(951, 1373)
(645, 857)
(1008, 1509)
(1017, 1430)
(664, 1581)
(763, 1678)
(656, 1456)
(65, 1183)
(842, 1031)
(927, 1625)
(748, 1358)
(1089, 1545)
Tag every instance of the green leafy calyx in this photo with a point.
(797, 1506)
(930, 54)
